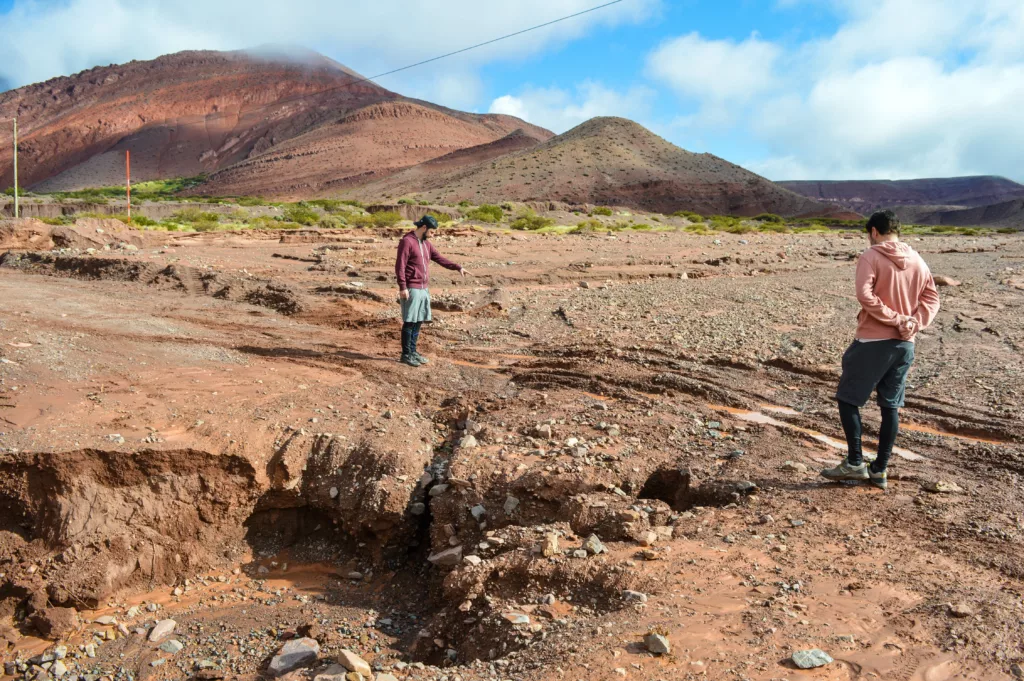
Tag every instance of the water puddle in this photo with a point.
(918, 428)
(765, 419)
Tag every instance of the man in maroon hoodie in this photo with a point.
(898, 298)
(412, 268)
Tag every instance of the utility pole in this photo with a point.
(128, 181)
(15, 167)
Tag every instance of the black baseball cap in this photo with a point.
(428, 221)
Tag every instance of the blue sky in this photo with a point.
(793, 89)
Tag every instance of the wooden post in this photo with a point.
(128, 179)
(15, 167)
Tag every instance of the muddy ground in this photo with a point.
(214, 429)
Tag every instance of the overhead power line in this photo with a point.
(473, 47)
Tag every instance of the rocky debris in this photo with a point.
(793, 467)
(172, 647)
(549, 547)
(961, 610)
(634, 596)
(941, 487)
(657, 644)
(511, 504)
(593, 546)
(300, 652)
(55, 623)
(447, 558)
(354, 663)
(162, 629)
(811, 659)
(1017, 671)
(942, 280)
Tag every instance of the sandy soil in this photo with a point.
(218, 426)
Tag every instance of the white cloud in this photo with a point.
(903, 88)
(47, 38)
(559, 110)
(716, 70)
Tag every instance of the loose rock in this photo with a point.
(811, 659)
(297, 653)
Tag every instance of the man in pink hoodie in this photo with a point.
(898, 298)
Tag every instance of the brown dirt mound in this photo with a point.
(376, 140)
(608, 161)
(27, 234)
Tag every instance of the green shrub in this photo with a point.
(301, 213)
(361, 220)
(386, 218)
(61, 220)
(487, 213)
(769, 217)
(251, 201)
(530, 221)
(602, 210)
(774, 227)
(327, 205)
(143, 221)
(464, 204)
(424, 203)
(1006, 230)
(587, 226)
(442, 218)
(406, 202)
(206, 225)
(193, 215)
(689, 215)
(641, 228)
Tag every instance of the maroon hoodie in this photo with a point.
(412, 267)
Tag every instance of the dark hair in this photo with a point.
(885, 221)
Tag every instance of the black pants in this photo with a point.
(850, 416)
(410, 336)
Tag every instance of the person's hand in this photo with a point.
(404, 294)
(463, 272)
(908, 327)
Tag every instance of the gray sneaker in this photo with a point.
(845, 471)
(420, 358)
(879, 480)
(410, 360)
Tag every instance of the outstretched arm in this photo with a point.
(441, 260)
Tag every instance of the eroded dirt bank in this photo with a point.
(215, 430)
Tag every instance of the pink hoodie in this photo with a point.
(896, 291)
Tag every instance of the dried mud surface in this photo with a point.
(214, 428)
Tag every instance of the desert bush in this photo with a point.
(361, 220)
(602, 210)
(386, 218)
(769, 217)
(487, 213)
(587, 226)
(406, 202)
(192, 215)
(530, 221)
(301, 213)
(61, 220)
(206, 225)
(424, 203)
(464, 204)
(774, 227)
(327, 205)
(689, 215)
(251, 201)
(442, 218)
(641, 228)
(1006, 230)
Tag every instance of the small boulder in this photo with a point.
(634, 596)
(162, 629)
(299, 652)
(811, 659)
(447, 558)
(55, 623)
(943, 280)
(593, 545)
(657, 644)
(354, 663)
(942, 487)
(549, 547)
(961, 610)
